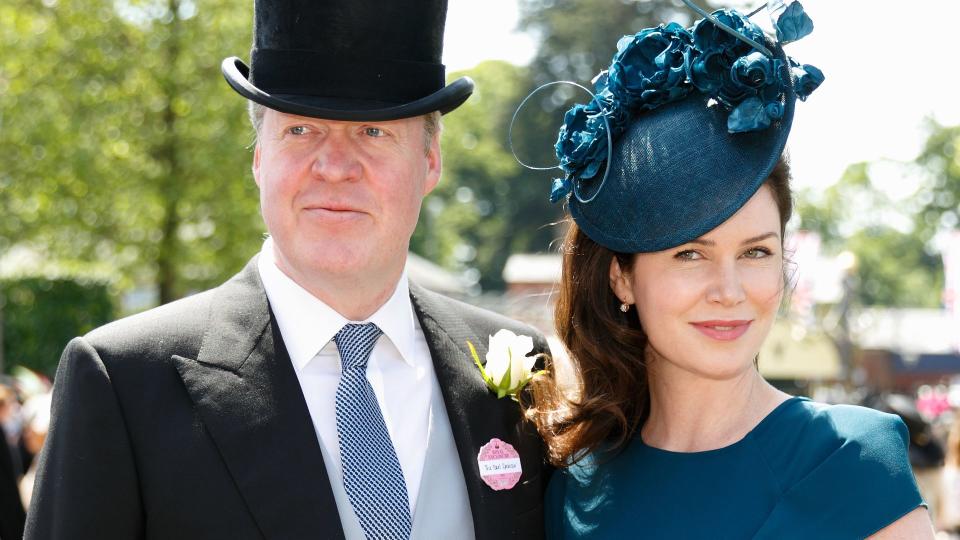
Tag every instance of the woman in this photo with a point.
(673, 274)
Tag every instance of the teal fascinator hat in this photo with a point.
(683, 128)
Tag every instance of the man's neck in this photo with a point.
(354, 297)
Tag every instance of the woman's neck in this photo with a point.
(691, 413)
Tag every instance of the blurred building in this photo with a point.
(794, 357)
(435, 278)
(903, 349)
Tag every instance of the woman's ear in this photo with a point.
(620, 282)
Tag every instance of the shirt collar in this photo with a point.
(308, 324)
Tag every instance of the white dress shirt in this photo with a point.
(400, 369)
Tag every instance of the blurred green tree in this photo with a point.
(896, 266)
(121, 144)
(939, 197)
(486, 206)
(895, 269)
(39, 315)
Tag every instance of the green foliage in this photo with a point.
(121, 143)
(842, 207)
(894, 268)
(40, 315)
(940, 196)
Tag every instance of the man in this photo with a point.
(316, 394)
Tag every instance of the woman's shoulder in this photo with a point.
(801, 434)
(828, 459)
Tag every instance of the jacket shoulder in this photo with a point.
(178, 326)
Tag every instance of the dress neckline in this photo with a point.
(732, 446)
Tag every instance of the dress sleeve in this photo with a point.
(553, 505)
(865, 484)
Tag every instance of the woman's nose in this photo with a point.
(727, 286)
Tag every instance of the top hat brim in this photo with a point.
(444, 100)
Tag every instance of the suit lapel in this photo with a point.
(247, 394)
(476, 415)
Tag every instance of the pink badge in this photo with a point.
(499, 465)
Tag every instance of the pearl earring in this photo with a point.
(624, 307)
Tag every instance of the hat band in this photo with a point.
(309, 73)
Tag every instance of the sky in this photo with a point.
(888, 66)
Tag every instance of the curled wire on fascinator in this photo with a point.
(724, 56)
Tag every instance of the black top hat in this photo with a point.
(348, 59)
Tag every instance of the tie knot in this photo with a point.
(355, 343)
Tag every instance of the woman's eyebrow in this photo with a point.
(751, 240)
(759, 238)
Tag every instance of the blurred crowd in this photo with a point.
(24, 419)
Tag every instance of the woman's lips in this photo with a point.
(722, 330)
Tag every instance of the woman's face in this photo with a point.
(707, 305)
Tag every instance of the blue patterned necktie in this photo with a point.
(372, 476)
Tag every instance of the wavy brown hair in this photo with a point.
(610, 399)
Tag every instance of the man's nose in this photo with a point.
(337, 158)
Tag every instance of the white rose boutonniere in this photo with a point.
(508, 367)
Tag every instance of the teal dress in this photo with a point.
(808, 470)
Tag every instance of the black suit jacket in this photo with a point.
(187, 422)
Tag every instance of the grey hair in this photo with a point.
(256, 112)
(432, 122)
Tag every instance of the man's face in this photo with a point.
(341, 199)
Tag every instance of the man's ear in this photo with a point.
(434, 165)
(256, 164)
(620, 282)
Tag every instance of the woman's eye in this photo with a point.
(688, 255)
(757, 253)
(373, 132)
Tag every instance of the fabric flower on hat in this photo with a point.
(808, 78)
(582, 143)
(648, 69)
(711, 59)
(754, 70)
(755, 75)
(793, 24)
(709, 37)
(582, 140)
(706, 70)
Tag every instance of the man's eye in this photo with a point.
(297, 130)
(373, 132)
